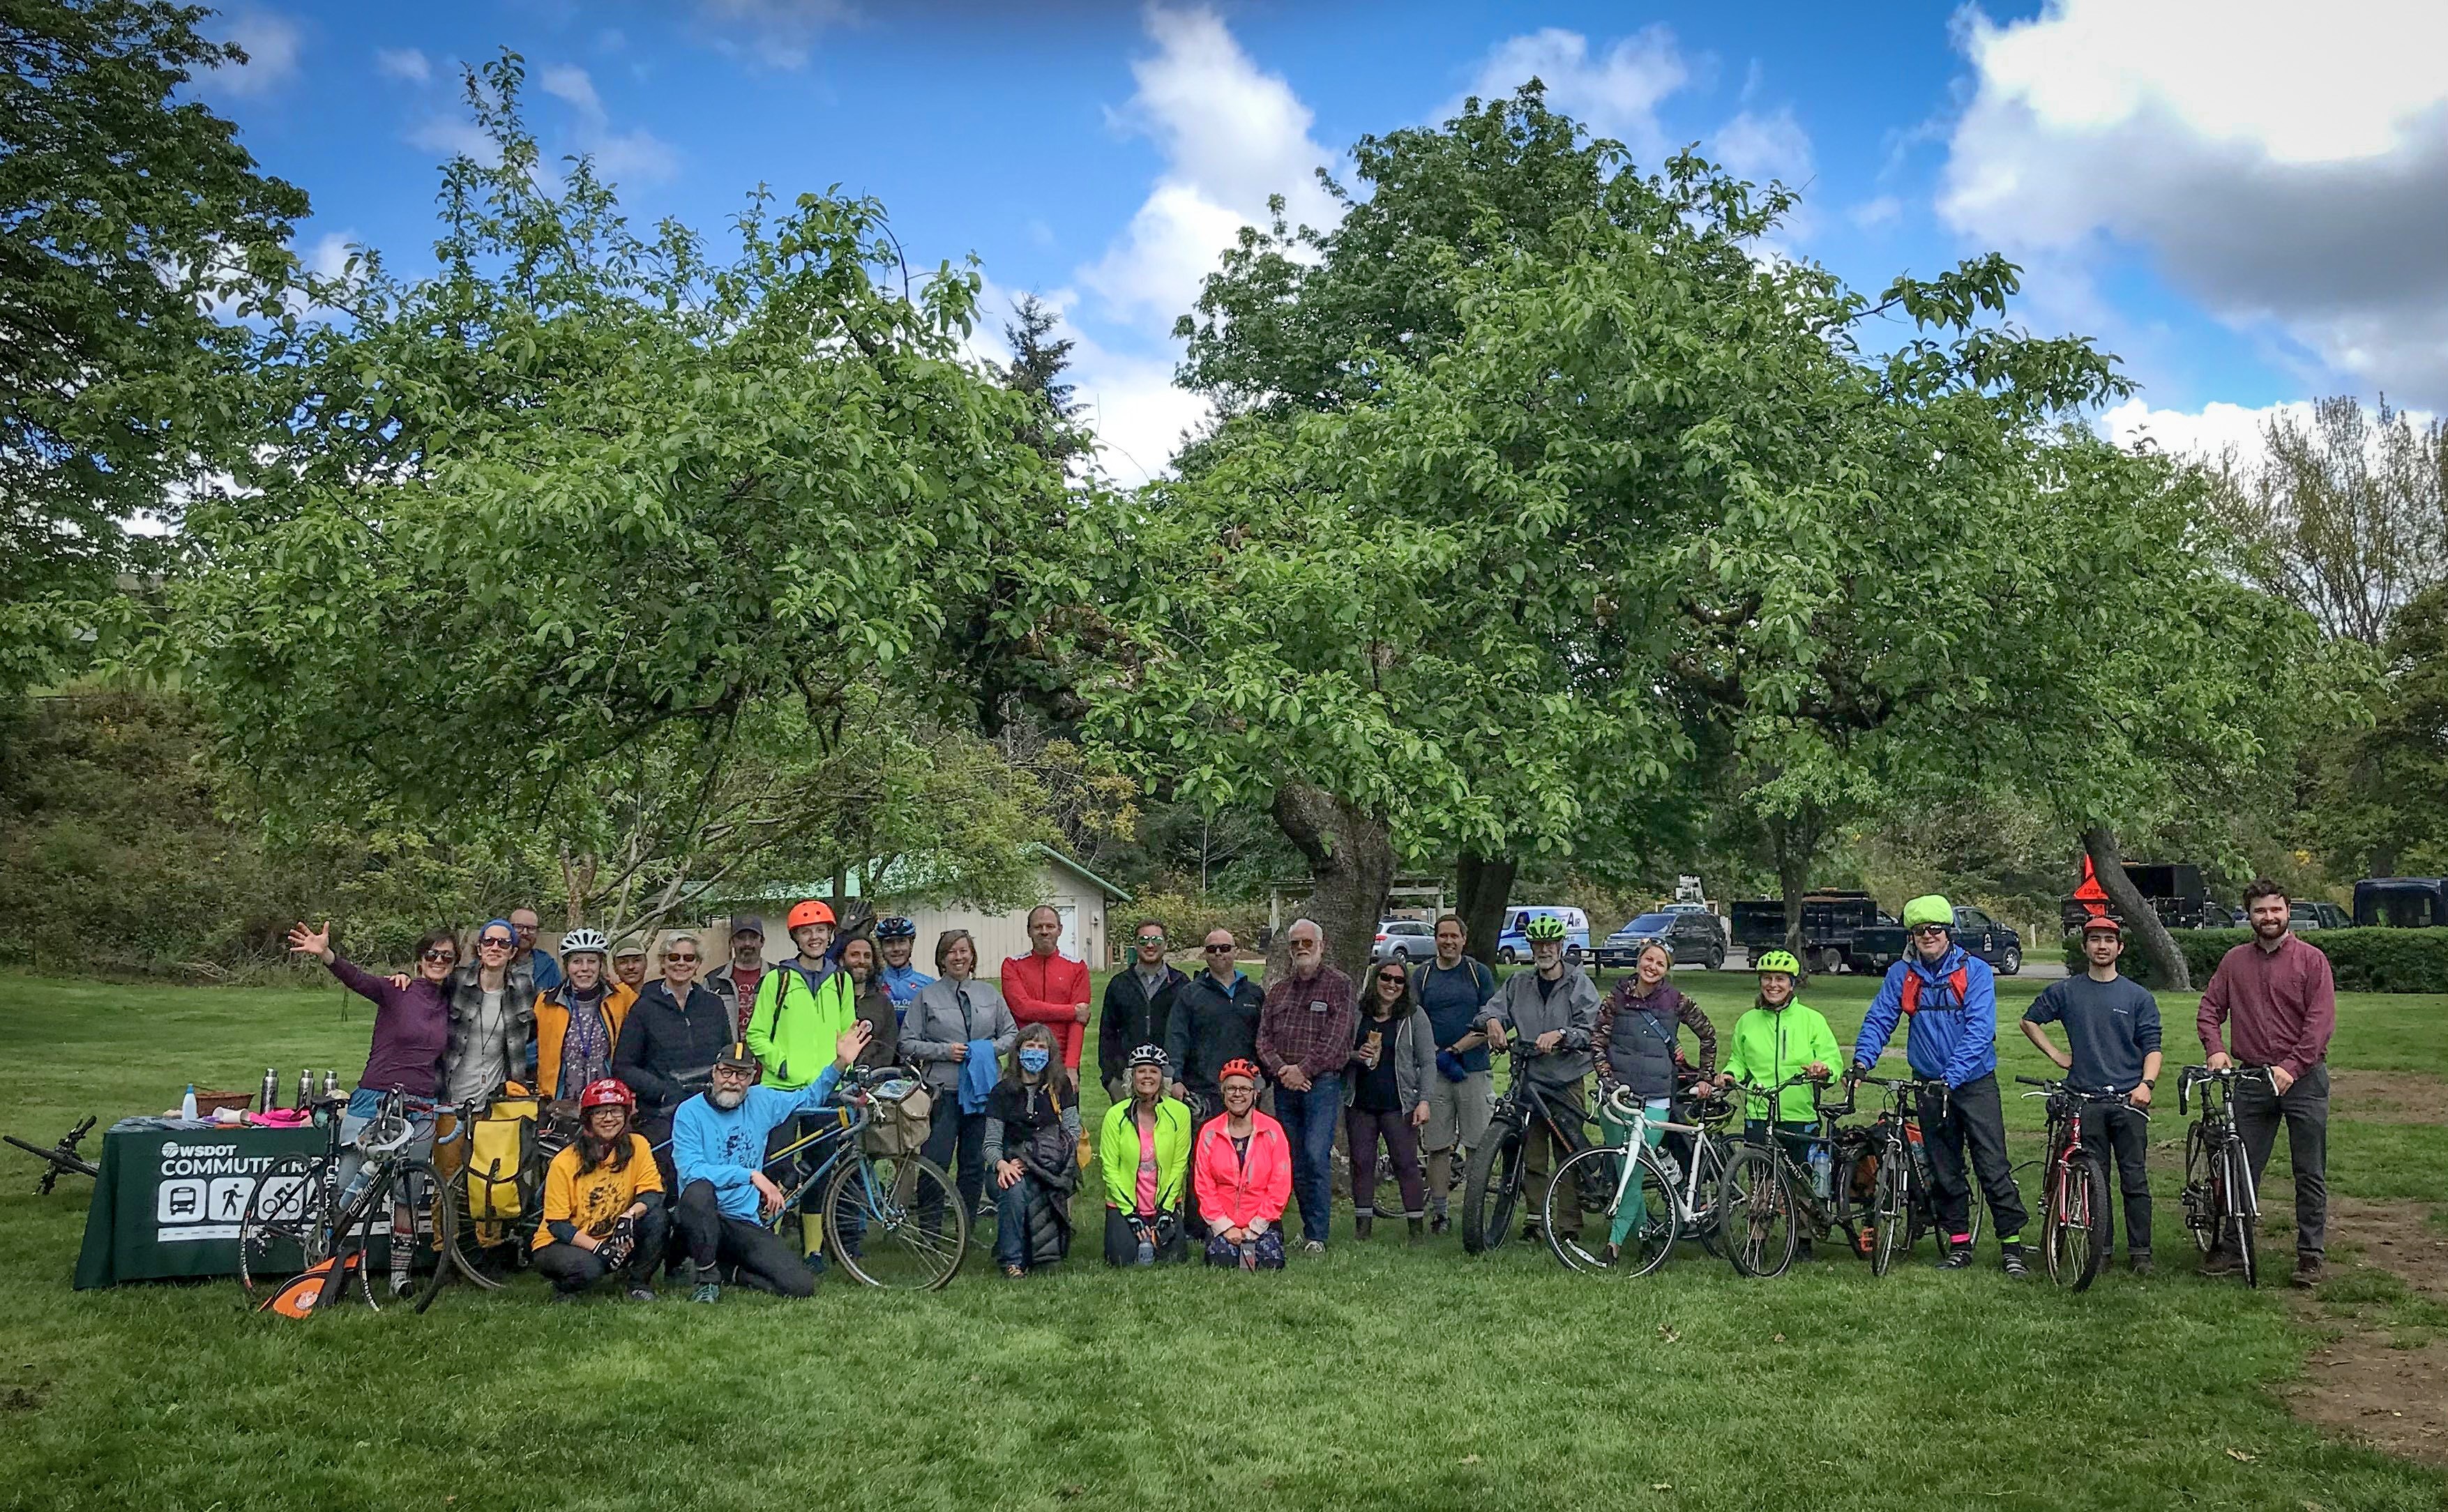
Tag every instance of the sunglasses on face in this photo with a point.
(680, 960)
(1393, 979)
(1929, 931)
(1218, 949)
(492, 944)
(1150, 939)
(442, 957)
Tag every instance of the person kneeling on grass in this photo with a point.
(726, 1199)
(1146, 1165)
(1242, 1169)
(1032, 1149)
(1782, 1037)
(602, 1202)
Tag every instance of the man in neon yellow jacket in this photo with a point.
(1144, 1152)
(1782, 1037)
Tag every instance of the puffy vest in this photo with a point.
(1640, 1051)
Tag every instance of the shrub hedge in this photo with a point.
(2361, 960)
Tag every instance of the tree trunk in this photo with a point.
(1350, 856)
(2165, 962)
(1482, 887)
(1791, 841)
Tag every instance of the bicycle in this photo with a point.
(60, 1159)
(1768, 1197)
(471, 1230)
(1902, 1193)
(1492, 1178)
(2219, 1198)
(903, 1198)
(2074, 1186)
(299, 1220)
(1672, 1192)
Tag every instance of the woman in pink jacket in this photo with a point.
(1242, 1169)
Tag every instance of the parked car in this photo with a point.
(1512, 944)
(1875, 949)
(1691, 937)
(2402, 903)
(2316, 916)
(1405, 940)
(1830, 922)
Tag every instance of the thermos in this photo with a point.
(271, 1089)
(331, 1085)
(306, 1088)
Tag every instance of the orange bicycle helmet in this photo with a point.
(810, 911)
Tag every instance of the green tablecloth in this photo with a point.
(169, 1198)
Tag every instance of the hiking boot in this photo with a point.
(1363, 1225)
(2308, 1270)
(708, 1289)
(1958, 1257)
(1440, 1223)
(1417, 1227)
(641, 1294)
(2222, 1262)
(2139, 1261)
(2011, 1256)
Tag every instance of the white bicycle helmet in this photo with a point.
(578, 942)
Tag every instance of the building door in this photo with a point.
(1069, 912)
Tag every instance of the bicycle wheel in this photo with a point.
(2239, 1183)
(1491, 1189)
(1702, 1222)
(1891, 1213)
(2071, 1206)
(287, 1227)
(2205, 1209)
(467, 1243)
(895, 1222)
(442, 1224)
(368, 1228)
(1757, 1212)
(1645, 1247)
(2096, 1237)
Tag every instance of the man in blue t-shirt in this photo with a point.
(1453, 988)
(2112, 1028)
(898, 939)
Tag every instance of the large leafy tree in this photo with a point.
(588, 539)
(134, 231)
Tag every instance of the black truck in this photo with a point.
(1829, 923)
(2174, 893)
(1876, 949)
(2402, 903)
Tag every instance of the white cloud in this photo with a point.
(1231, 136)
(271, 42)
(771, 33)
(2205, 432)
(624, 157)
(1760, 147)
(2286, 165)
(454, 137)
(1871, 214)
(403, 63)
(1614, 94)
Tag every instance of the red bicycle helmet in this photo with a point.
(1239, 1068)
(810, 911)
(607, 1093)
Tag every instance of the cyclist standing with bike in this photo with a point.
(1949, 999)
(2278, 995)
(1554, 1006)
(1778, 1038)
(1635, 1048)
(2111, 1026)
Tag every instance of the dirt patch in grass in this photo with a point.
(2383, 1376)
(2388, 1096)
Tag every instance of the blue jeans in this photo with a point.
(1011, 1219)
(1308, 1119)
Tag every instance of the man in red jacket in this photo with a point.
(1046, 987)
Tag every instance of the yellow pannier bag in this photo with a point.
(499, 1149)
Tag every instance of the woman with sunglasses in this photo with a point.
(1384, 1097)
(492, 1018)
(668, 1045)
(1242, 1168)
(411, 1027)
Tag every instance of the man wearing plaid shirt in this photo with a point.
(1304, 1037)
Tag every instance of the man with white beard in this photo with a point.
(719, 1147)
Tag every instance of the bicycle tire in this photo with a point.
(2096, 1221)
(1758, 1213)
(903, 1198)
(1491, 1189)
(1646, 1249)
(392, 1183)
(2248, 1244)
(465, 1236)
(442, 1215)
(2205, 1211)
(2071, 1206)
(286, 1228)
(1893, 1223)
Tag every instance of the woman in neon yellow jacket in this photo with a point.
(1779, 1038)
(1144, 1152)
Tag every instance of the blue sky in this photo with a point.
(2246, 202)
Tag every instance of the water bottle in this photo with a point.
(1147, 1249)
(306, 1088)
(1819, 1169)
(271, 1089)
(187, 1103)
(331, 1084)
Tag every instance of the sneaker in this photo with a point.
(1957, 1258)
(2308, 1270)
(707, 1291)
(1439, 1224)
(2011, 1256)
(1312, 1246)
(641, 1294)
(2222, 1262)
(400, 1287)
(2139, 1263)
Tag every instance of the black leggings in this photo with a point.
(716, 1238)
(571, 1269)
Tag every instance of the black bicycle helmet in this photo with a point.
(896, 927)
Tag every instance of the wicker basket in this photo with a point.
(209, 1104)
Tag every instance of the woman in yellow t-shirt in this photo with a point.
(602, 1202)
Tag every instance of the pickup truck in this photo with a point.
(1877, 948)
(1830, 922)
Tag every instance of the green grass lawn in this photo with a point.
(1382, 1376)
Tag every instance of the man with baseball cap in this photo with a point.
(2111, 1026)
(736, 980)
(719, 1147)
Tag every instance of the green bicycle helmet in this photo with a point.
(1778, 961)
(1545, 926)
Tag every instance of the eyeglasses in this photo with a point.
(442, 957)
(1150, 939)
(1396, 978)
(1215, 949)
(683, 960)
(493, 942)
(1929, 931)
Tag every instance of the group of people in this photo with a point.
(685, 1086)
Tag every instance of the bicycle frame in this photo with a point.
(1634, 1114)
(2234, 1211)
(2066, 1192)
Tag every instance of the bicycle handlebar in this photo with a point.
(2121, 1099)
(2193, 1076)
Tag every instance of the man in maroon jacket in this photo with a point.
(1306, 1032)
(2275, 992)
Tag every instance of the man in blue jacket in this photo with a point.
(718, 1140)
(1951, 1001)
